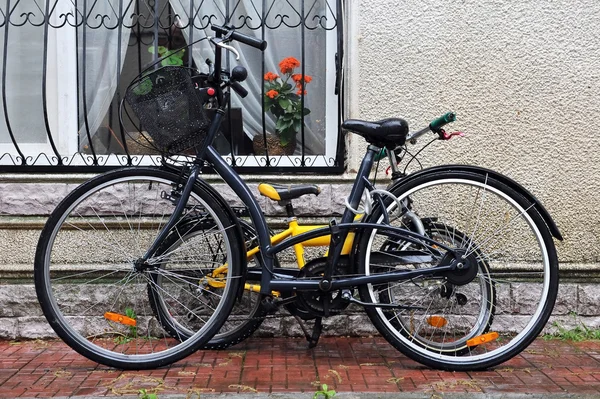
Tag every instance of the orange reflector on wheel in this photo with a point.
(436, 321)
(482, 339)
(119, 318)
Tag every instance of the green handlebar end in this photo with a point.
(437, 124)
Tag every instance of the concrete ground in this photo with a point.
(285, 368)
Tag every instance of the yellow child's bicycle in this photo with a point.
(250, 311)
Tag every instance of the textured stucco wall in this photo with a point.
(523, 77)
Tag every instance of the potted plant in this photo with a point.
(283, 100)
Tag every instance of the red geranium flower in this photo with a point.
(288, 64)
(299, 78)
(289, 108)
(270, 76)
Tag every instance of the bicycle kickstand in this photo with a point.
(313, 339)
(316, 334)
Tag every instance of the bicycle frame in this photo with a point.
(269, 284)
(268, 281)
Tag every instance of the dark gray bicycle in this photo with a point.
(469, 288)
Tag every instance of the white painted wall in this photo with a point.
(523, 77)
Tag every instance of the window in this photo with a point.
(93, 53)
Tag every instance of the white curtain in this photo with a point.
(282, 42)
(101, 67)
(23, 84)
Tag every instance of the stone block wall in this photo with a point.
(577, 303)
(24, 208)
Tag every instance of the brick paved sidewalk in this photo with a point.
(50, 368)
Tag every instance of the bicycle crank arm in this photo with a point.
(347, 296)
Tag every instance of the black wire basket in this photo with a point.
(172, 115)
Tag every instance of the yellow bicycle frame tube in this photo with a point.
(294, 229)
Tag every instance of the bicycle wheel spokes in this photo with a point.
(178, 310)
(464, 319)
(92, 283)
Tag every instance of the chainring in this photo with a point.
(309, 304)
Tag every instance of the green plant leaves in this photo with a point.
(161, 49)
(143, 87)
(129, 312)
(327, 394)
(580, 333)
(297, 125)
(143, 394)
(283, 124)
(173, 57)
(284, 103)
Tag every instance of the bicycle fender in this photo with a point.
(496, 176)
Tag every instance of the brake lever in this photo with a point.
(226, 47)
(447, 136)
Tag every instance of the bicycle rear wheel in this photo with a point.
(244, 319)
(92, 289)
(463, 320)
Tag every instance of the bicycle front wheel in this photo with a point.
(94, 291)
(462, 320)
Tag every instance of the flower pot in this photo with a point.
(138, 144)
(273, 145)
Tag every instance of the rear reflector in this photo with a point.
(436, 321)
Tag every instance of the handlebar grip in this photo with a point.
(239, 89)
(437, 124)
(240, 37)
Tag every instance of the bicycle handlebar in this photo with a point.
(437, 124)
(240, 37)
(434, 126)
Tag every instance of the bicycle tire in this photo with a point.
(525, 266)
(244, 319)
(90, 245)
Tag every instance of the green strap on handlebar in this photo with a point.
(437, 124)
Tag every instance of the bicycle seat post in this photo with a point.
(396, 174)
(289, 210)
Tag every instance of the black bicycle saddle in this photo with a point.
(389, 132)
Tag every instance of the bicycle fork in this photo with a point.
(186, 191)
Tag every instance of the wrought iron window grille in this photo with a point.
(68, 32)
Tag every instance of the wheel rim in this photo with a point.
(524, 219)
(104, 343)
